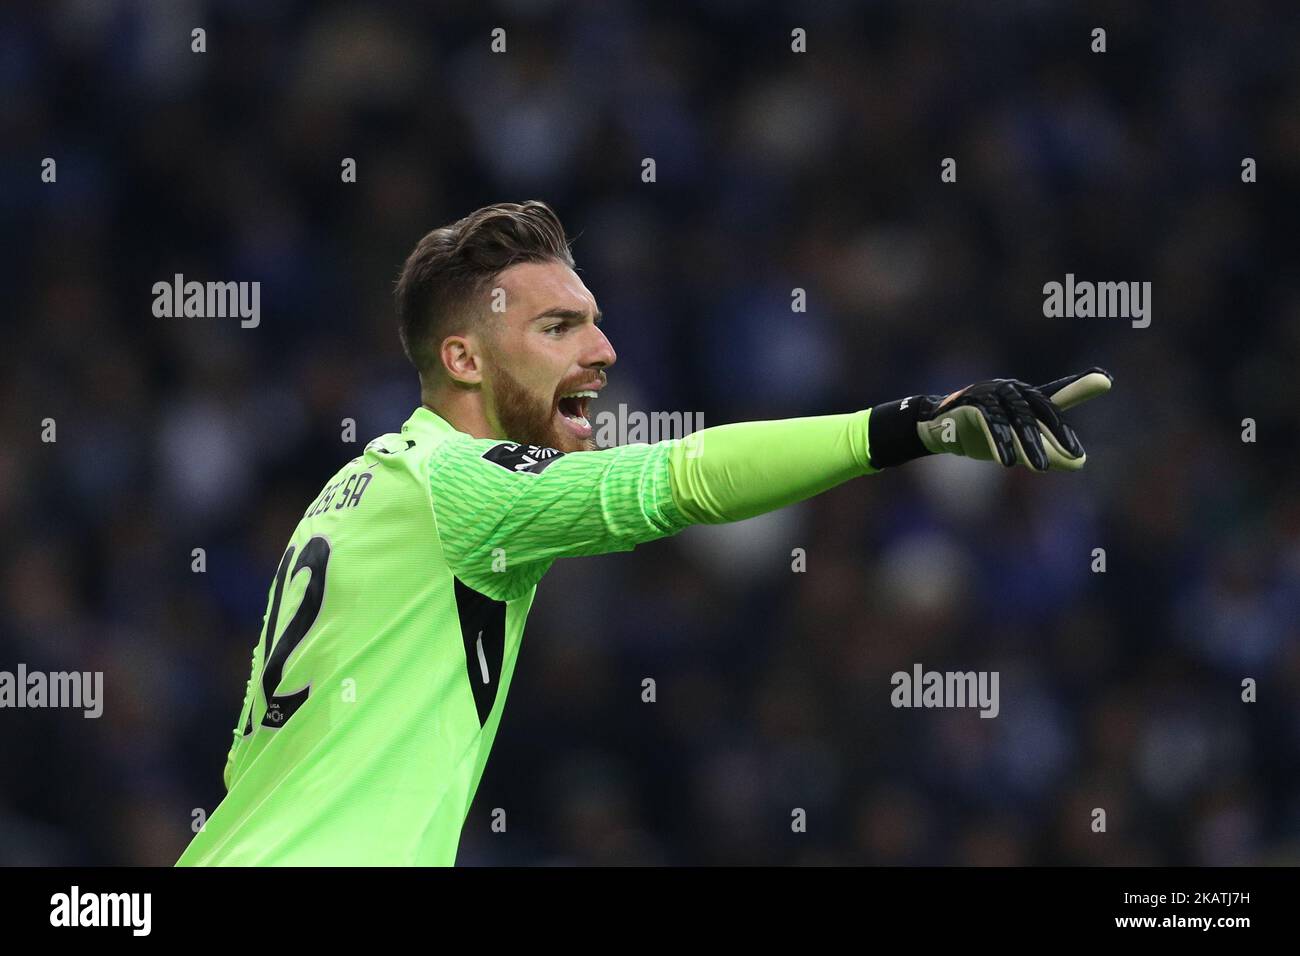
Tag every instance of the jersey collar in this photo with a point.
(425, 421)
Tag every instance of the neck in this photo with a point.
(461, 408)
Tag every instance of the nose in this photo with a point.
(600, 353)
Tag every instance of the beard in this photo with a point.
(526, 418)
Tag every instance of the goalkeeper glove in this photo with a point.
(1002, 420)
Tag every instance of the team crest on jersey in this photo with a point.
(526, 458)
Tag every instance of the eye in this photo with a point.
(554, 329)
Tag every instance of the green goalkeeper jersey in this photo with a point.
(394, 621)
(391, 633)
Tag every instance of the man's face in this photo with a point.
(544, 358)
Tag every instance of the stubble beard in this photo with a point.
(524, 418)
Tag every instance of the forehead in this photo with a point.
(534, 287)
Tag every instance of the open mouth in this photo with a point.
(573, 409)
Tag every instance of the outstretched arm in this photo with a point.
(505, 511)
(738, 471)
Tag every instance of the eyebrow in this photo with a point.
(571, 314)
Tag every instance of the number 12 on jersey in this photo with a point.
(314, 557)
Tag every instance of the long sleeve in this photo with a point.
(732, 472)
(505, 511)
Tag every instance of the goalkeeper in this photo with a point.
(395, 618)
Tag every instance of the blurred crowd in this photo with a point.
(775, 170)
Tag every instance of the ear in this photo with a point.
(461, 360)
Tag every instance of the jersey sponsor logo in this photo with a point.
(530, 459)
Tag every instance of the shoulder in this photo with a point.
(491, 456)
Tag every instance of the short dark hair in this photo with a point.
(454, 263)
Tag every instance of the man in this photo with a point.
(395, 617)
